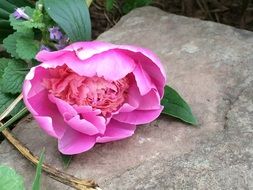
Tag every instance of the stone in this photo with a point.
(211, 66)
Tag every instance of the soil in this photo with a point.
(237, 13)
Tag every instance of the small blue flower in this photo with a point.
(55, 33)
(20, 13)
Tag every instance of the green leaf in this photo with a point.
(13, 77)
(129, 5)
(22, 26)
(27, 48)
(5, 100)
(9, 44)
(21, 3)
(132, 4)
(21, 114)
(10, 180)
(5, 24)
(109, 5)
(72, 16)
(36, 182)
(4, 14)
(66, 159)
(7, 6)
(17, 108)
(175, 106)
(3, 64)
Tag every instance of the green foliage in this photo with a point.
(72, 16)
(10, 180)
(9, 44)
(13, 76)
(129, 5)
(109, 4)
(66, 159)
(175, 106)
(27, 48)
(5, 100)
(25, 26)
(36, 182)
(21, 3)
(7, 6)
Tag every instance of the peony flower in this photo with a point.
(94, 92)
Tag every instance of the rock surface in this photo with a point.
(211, 65)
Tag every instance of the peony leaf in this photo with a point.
(36, 182)
(13, 77)
(175, 106)
(10, 179)
(72, 16)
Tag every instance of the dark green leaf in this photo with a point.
(13, 77)
(4, 14)
(21, 3)
(109, 4)
(66, 159)
(72, 16)
(175, 106)
(5, 24)
(10, 180)
(7, 6)
(132, 4)
(36, 182)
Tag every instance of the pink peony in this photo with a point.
(94, 92)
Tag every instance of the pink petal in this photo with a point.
(104, 65)
(138, 117)
(82, 125)
(49, 55)
(46, 114)
(155, 72)
(74, 142)
(143, 81)
(115, 131)
(150, 101)
(93, 117)
(83, 50)
(90, 124)
(64, 108)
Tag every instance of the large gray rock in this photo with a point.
(211, 65)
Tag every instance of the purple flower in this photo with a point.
(62, 43)
(20, 13)
(55, 33)
(43, 47)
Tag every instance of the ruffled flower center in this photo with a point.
(95, 91)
